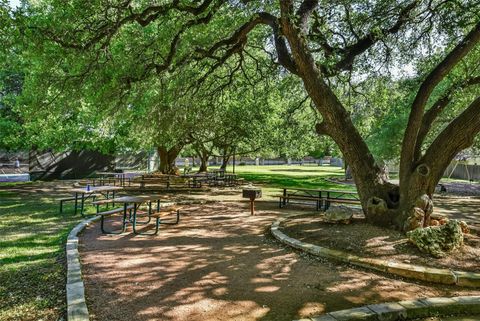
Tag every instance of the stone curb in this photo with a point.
(442, 276)
(76, 305)
(405, 310)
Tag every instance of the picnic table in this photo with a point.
(130, 211)
(121, 177)
(196, 180)
(84, 193)
(167, 180)
(322, 197)
(214, 178)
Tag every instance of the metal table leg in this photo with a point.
(76, 202)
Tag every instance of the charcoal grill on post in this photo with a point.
(252, 194)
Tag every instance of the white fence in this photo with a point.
(461, 170)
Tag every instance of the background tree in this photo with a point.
(11, 81)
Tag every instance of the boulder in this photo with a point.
(339, 214)
(465, 228)
(415, 219)
(438, 240)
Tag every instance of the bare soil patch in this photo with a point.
(220, 263)
(363, 239)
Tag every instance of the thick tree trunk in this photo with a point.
(204, 155)
(372, 185)
(167, 159)
(379, 198)
(203, 165)
(410, 205)
(225, 159)
(419, 180)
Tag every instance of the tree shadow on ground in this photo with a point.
(218, 264)
(466, 209)
(369, 241)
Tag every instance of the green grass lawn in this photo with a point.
(290, 176)
(274, 177)
(32, 259)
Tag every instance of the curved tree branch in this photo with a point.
(437, 108)
(458, 135)
(407, 161)
(304, 11)
(366, 42)
(108, 29)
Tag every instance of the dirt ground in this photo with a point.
(366, 240)
(220, 263)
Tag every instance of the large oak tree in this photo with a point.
(323, 43)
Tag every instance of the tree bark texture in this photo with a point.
(167, 159)
(409, 205)
(204, 155)
(225, 159)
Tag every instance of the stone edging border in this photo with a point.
(442, 276)
(76, 305)
(405, 310)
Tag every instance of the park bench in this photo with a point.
(168, 181)
(66, 199)
(285, 199)
(221, 178)
(321, 198)
(106, 201)
(72, 198)
(101, 181)
(196, 181)
(327, 202)
(161, 214)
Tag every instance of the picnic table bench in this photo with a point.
(166, 180)
(215, 178)
(131, 210)
(322, 198)
(197, 180)
(115, 178)
(81, 194)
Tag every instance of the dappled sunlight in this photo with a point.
(466, 208)
(32, 243)
(312, 308)
(374, 242)
(362, 288)
(207, 309)
(218, 264)
(270, 288)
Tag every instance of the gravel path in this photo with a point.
(219, 264)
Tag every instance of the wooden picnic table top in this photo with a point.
(320, 190)
(110, 173)
(136, 198)
(93, 189)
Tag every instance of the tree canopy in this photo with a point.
(96, 58)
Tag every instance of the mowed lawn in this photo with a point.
(32, 259)
(33, 235)
(274, 177)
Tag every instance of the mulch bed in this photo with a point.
(363, 239)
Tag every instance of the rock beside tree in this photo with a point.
(438, 240)
(339, 214)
